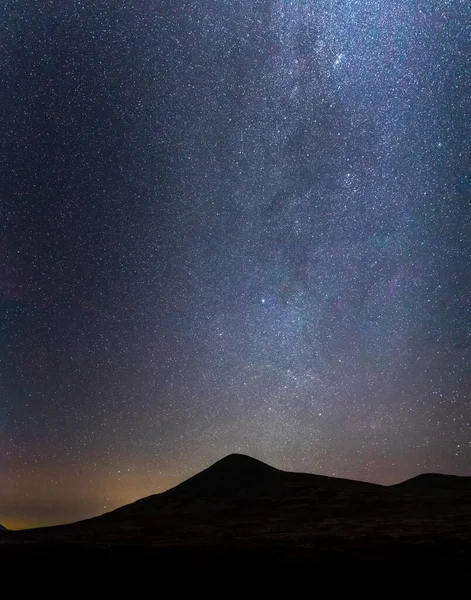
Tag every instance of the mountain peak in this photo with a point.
(229, 475)
(240, 462)
(434, 481)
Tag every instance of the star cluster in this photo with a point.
(231, 227)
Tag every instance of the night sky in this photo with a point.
(230, 227)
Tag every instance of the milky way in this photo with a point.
(231, 227)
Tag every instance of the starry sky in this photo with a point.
(230, 227)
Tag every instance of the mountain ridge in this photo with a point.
(241, 509)
(434, 481)
(239, 479)
(237, 474)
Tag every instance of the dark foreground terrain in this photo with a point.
(241, 512)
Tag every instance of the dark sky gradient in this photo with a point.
(230, 226)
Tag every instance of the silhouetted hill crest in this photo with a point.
(236, 479)
(241, 463)
(435, 481)
(230, 473)
(248, 498)
(238, 475)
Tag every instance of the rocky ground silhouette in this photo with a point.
(242, 511)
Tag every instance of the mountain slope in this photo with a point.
(238, 475)
(241, 507)
(429, 482)
(239, 480)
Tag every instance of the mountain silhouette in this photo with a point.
(240, 475)
(2, 528)
(435, 481)
(239, 480)
(241, 507)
